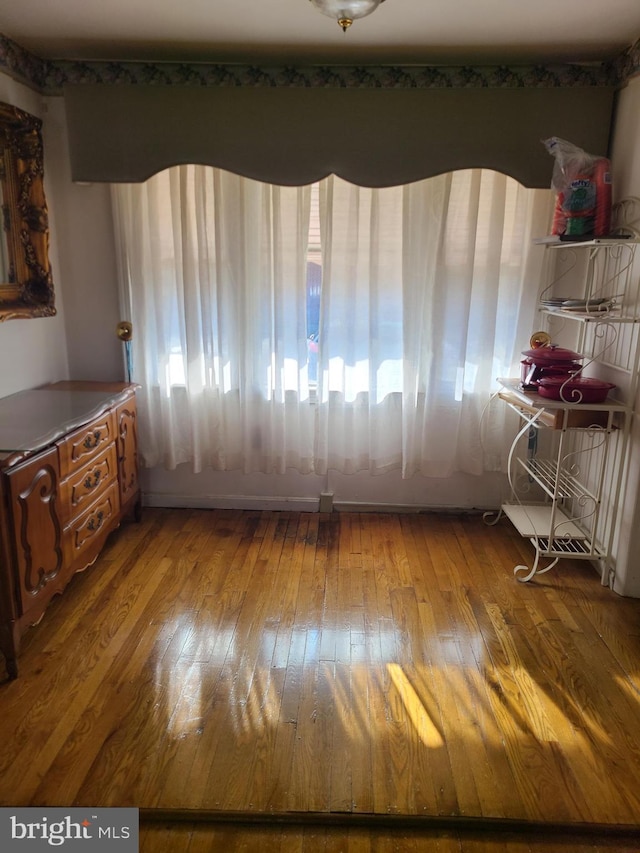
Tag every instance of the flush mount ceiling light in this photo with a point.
(345, 12)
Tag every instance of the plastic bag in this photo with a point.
(583, 191)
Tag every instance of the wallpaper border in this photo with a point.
(49, 77)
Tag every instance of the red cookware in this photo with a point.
(576, 389)
(547, 361)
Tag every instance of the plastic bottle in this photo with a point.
(602, 177)
(583, 191)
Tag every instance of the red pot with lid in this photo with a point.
(576, 389)
(548, 361)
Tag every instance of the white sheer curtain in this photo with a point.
(360, 362)
(214, 269)
(427, 296)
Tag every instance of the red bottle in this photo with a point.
(602, 177)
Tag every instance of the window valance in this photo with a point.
(297, 135)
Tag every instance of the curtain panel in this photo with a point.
(214, 270)
(426, 295)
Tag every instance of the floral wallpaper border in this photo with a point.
(50, 76)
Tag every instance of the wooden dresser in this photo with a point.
(68, 475)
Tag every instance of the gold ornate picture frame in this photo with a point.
(26, 284)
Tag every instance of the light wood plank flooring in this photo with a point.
(366, 664)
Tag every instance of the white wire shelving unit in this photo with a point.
(567, 461)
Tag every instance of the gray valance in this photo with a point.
(296, 135)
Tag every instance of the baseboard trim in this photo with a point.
(255, 502)
(357, 506)
(299, 504)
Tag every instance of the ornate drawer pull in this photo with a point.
(96, 521)
(92, 441)
(92, 483)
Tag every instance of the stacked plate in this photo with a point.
(583, 306)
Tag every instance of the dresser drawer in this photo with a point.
(86, 443)
(33, 489)
(93, 524)
(79, 490)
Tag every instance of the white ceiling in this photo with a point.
(293, 32)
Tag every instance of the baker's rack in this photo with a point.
(567, 461)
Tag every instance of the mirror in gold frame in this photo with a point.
(26, 285)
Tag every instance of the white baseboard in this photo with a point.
(256, 502)
(265, 502)
(354, 506)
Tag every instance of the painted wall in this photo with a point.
(33, 352)
(87, 263)
(625, 160)
(229, 489)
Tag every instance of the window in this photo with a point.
(314, 284)
(397, 307)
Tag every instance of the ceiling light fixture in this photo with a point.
(345, 12)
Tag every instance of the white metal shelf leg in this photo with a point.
(492, 517)
(533, 571)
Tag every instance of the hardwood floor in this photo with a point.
(281, 664)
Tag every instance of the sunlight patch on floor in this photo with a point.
(425, 727)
